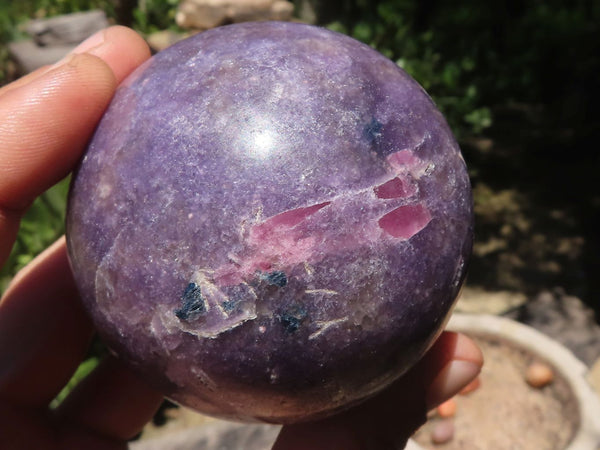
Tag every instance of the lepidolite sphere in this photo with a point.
(271, 222)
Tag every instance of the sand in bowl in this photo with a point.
(505, 412)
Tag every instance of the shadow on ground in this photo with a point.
(537, 204)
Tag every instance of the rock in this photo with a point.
(306, 11)
(53, 38)
(28, 56)
(442, 432)
(205, 14)
(219, 435)
(191, 14)
(281, 10)
(67, 29)
(447, 409)
(539, 375)
(564, 318)
(301, 210)
(481, 144)
(478, 301)
(162, 39)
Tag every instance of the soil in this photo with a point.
(505, 412)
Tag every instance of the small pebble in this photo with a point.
(447, 409)
(539, 375)
(443, 431)
(472, 386)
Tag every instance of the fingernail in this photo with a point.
(91, 44)
(95, 40)
(453, 377)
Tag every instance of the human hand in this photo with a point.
(46, 118)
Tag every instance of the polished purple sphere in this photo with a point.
(271, 222)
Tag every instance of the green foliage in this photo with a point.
(41, 225)
(479, 119)
(47, 8)
(390, 29)
(155, 15)
(472, 56)
(84, 369)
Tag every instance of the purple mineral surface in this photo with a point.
(271, 222)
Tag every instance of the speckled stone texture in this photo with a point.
(271, 222)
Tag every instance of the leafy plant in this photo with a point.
(84, 369)
(41, 225)
(392, 28)
(155, 15)
(472, 56)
